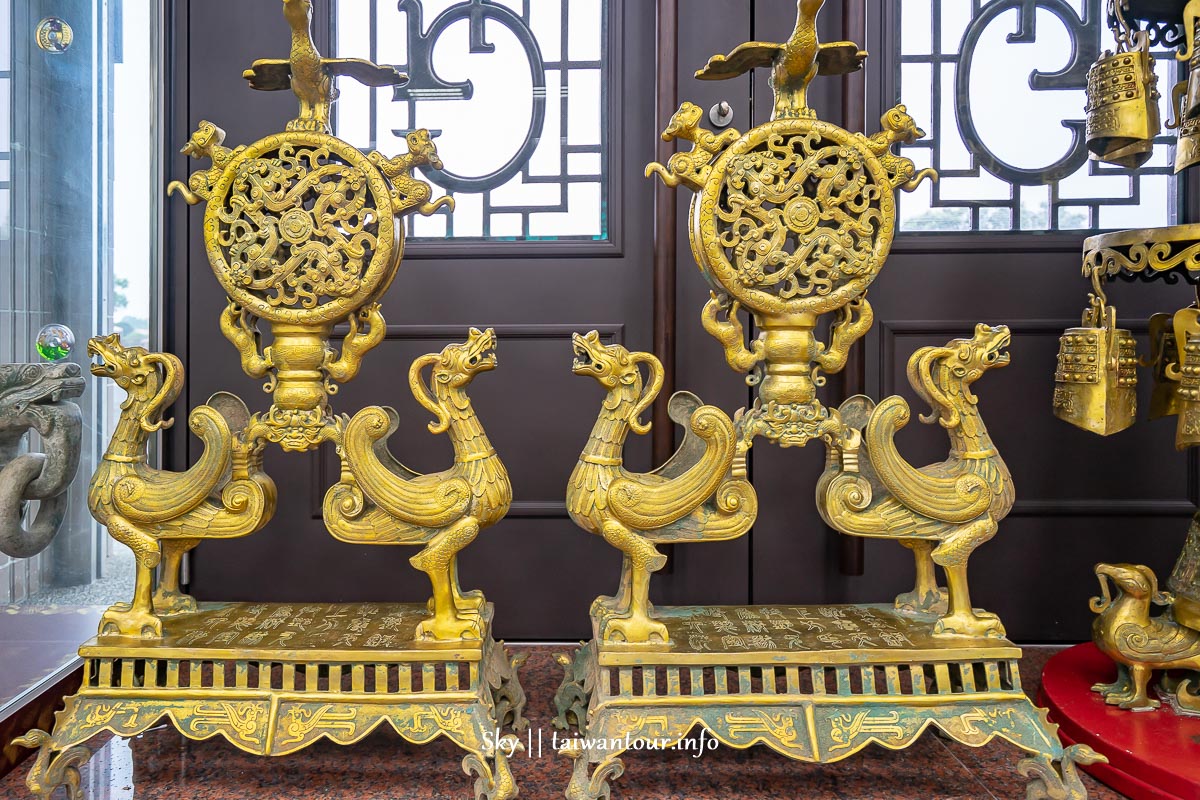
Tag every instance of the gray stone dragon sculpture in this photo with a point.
(37, 397)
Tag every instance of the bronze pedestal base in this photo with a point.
(274, 678)
(815, 683)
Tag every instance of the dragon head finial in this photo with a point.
(617, 371)
(421, 148)
(900, 125)
(204, 141)
(941, 375)
(151, 380)
(453, 369)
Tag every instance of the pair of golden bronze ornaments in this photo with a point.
(791, 220)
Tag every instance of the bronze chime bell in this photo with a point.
(1095, 385)
(1164, 398)
(1187, 372)
(1122, 100)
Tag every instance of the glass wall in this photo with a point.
(79, 213)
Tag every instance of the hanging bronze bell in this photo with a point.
(1187, 373)
(1122, 105)
(1095, 385)
(1164, 355)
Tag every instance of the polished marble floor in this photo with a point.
(161, 764)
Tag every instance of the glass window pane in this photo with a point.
(472, 67)
(79, 205)
(1000, 145)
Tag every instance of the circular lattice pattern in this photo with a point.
(300, 229)
(796, 216)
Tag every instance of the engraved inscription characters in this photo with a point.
(239, 625)
(711, 629)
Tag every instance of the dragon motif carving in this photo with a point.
(792, 219)
(158, 514)
(37, 397)
(381, 501)
(941, 512)
(691, 498)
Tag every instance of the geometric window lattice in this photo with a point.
(514, 93)
(999, 86)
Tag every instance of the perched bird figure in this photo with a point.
(691, 498)
(161, 514)
(309, 75)
(941, 512)
(381, 501)
(1140, 644)
(793, 63)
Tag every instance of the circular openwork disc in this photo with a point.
(796, 216)
(300, 229)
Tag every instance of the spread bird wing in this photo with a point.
(681, 408)
(365, 72)
(839, 58)
(1158, 642)
(744, 58)
(270, 74)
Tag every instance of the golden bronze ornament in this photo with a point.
(941, 512)
(1141, 643)
(304, 233)
(791, 220)
(691, 498)
(380, 501)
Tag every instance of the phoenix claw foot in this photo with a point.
(167, 604)
(130, 622)
(635, 629)
(978, 624)
(915, 602)
(1121, 685)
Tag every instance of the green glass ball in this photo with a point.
(55, 342)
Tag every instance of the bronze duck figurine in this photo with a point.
(793, 63)
(309, 75)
